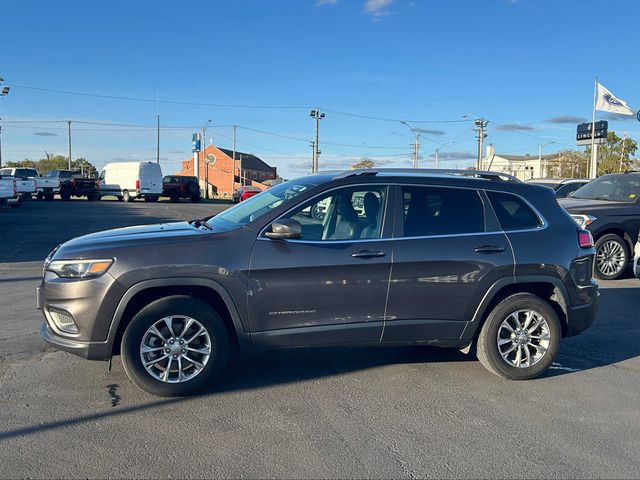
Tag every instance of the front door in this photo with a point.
(445, 259)
(330, 286)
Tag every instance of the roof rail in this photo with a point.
(504, 177)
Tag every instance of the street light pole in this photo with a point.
(3, 93)
(206, 164)
(438, 151)
(542, 174)
(416, 146)
(318, 115)
(313, 154)
(481, 124)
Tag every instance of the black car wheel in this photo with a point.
(195, 198)
(612, 257)
(174, 346)
(48, 197)
(520, 338)
(126, 197)
(174, 198)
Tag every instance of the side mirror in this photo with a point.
(285, 229)
(570, 194)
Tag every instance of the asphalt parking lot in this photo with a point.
(331, 412)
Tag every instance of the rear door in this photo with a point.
(330, 286)
(447, 253)
(150, 179)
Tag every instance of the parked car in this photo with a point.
(244, 193)
(49, 185)
(9, 193)
(73, 183)
(130, 180)
(609, 208)
(181, 186)
(444, 258)
(562, 186)
(25, 180)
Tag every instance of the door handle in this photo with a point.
(489, 249)
(368, 254)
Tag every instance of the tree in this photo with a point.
(56, 162)
(365, 163)
(615, 155)
(569, 163)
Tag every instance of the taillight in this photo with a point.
(137, 184)
(585, 240)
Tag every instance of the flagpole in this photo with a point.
(594, 147)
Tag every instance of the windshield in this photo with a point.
(614, 188)
(256, 206)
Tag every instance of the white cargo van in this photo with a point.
(130, 180)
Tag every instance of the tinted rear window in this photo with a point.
(513, 213)
(441, 211)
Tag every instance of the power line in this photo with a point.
(388, 119)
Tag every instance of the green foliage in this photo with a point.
(569, 164)
(56, 162)
(366, 163)
(612, 157)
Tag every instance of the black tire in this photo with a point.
(179, 305)
(153, 199)
(65, 196)
(48, 197)
(620, 246)
(193, 189)
(40, 195)
(126, 197)
(120, 198)
(91, 197)
(487, 346)
(174, 198)
(195, 198)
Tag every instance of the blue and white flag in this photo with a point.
(608, 102)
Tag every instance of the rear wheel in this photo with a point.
(48, 197)
(40, 195)
(91, 197)
(126, 197)
(612, 257)
(173, 197)
(520, 338)
(65, 195)
(120, 198)
(195, 198)
(174, 346)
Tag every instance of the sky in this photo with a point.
(527, 66)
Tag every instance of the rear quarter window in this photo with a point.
(513, 212)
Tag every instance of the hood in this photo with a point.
(579, 205)
(130, 236)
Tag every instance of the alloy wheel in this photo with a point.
(610, 258)
(523, 338)
(175, 349)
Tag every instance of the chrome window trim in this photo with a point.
(261, 235)
(543, 222)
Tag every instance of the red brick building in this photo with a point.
(224, 173)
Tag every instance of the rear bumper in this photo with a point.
(582, 317)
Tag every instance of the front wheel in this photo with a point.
(611, 257)
(520, 338)
(174, 346)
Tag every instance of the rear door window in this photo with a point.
(441, 211)
(513, 212)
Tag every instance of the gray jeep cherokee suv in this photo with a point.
(446, 258)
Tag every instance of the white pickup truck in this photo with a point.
(9, 193)
(25, 179)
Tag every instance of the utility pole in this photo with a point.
(233, 184)
(415, 146)
(318, 115)
(481, 124)
(0, 145)
(158, 141)
(69, 131)
(241, 175)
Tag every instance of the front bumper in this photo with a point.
(581, 317)
(88, 350)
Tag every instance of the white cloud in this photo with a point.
(377, 8)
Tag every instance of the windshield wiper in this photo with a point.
(201, 223)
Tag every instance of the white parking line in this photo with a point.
(557, 366)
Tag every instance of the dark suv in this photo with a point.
(445, 258)
(609, 207)
(181, 186)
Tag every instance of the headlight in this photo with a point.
(583, 220)
(79, 268)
